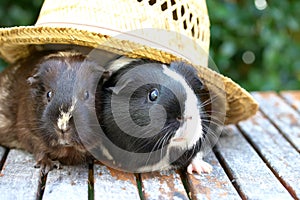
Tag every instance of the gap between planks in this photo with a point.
(91, 181)
(19, 180)
(227, 170)
(248, 173)
(292, 98)
(216, 185)
(274, 150)
(282, 115)
(219, 154)
(97, 180)
(3, 156)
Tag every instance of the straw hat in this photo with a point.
(162, 30)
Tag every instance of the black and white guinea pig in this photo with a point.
(156, 117)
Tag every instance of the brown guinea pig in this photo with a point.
(39, 96)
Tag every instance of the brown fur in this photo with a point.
(23, 106)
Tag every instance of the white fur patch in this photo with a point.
(62, 141)
(64, 118)
(163, 164)
(106, 153)
(191, 130)
(62, 54)
(119, 63)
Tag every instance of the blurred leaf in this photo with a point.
(272, 34)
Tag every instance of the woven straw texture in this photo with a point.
(162, 30)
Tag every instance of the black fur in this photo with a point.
(139, 107)
(139, 112)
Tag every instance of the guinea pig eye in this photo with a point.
(86, 95)
(49, 95)
(153, 94)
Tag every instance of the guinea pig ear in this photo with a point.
(106, 75)
(120, 86)
(33, 79)
(189, 73)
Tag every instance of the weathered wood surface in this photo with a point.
(247, 171)
(215, 185)
(293, 98)
(257, 159)
(163, 185)
(70, 182)
(19, 179)
(282, 115)
(112, 184)
(279, 155)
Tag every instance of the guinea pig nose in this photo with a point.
(64, 119)
(179, 118)
(188, 118)
(65, 129)
(182, 119)
(64, 126)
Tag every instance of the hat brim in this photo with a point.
(18, 42)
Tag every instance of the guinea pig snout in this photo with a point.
(63, 121)
(184, 129)
(65, 127)
(181, 118)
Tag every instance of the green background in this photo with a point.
(270, 36)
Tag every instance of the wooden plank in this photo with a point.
(249, 174)
(70, 182)
(163, 185)
(277, 152)
(215, 185)
(282, 115)
(19, 179)
(293, 98)
(112, 184)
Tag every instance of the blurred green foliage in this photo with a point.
(271, 34)
(18, 13)
(268, 39)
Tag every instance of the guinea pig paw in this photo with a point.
(199, 166)
(47, 165)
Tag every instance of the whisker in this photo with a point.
(160, 142)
